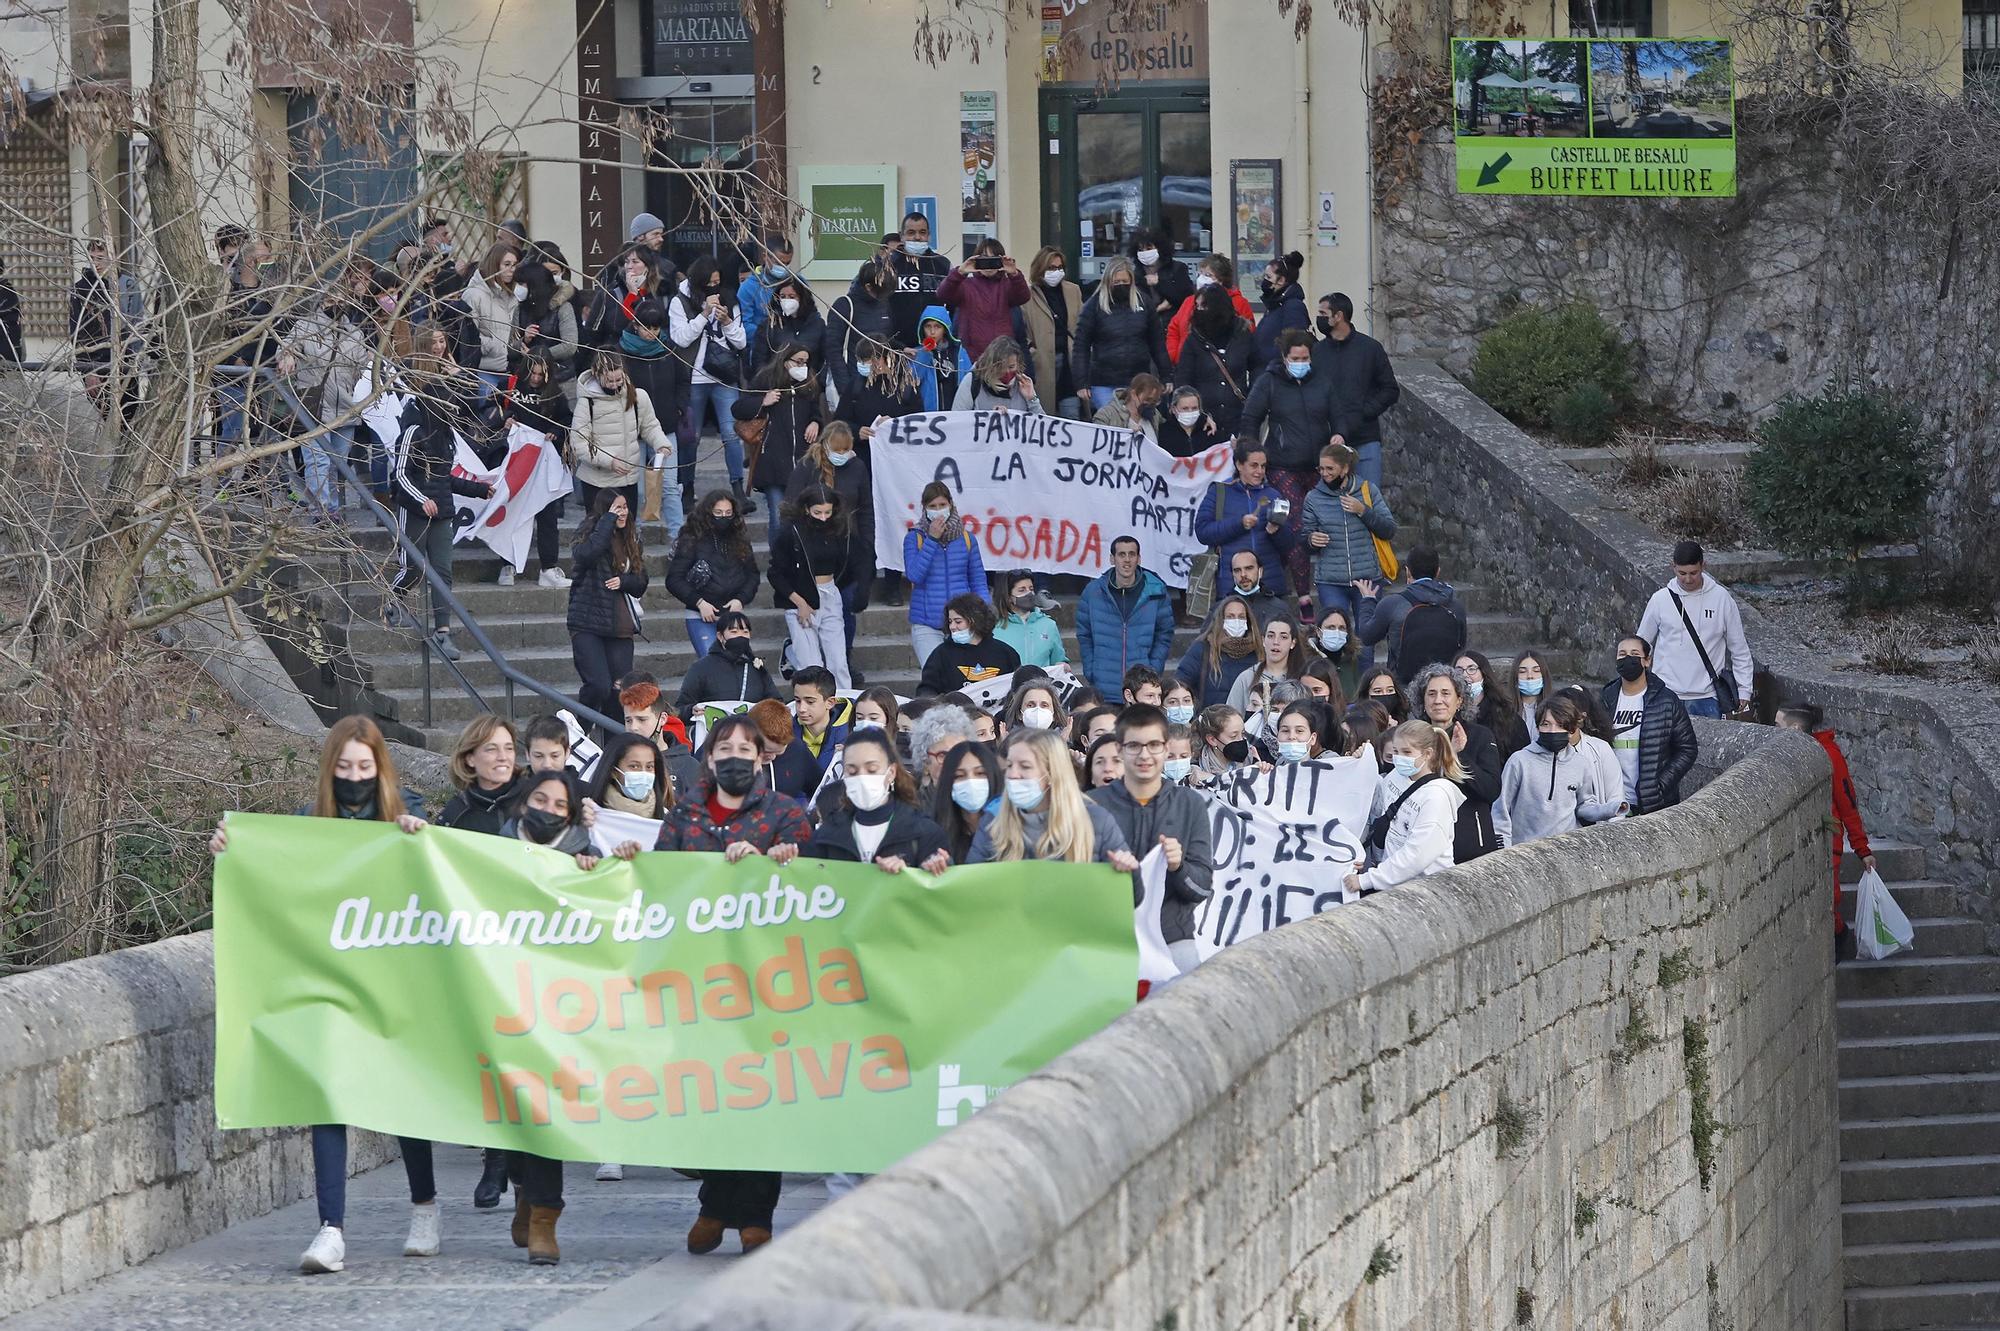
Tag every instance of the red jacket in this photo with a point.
(1183, 319)
(1846, 808)
(985, 309)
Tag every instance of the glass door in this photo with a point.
(1122, 162)
(1110, 184)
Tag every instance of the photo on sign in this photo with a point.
(1520, 89)
(1661, 90)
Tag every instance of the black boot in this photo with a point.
(744, 503)
(492, 1181)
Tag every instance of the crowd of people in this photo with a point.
(1321, 641)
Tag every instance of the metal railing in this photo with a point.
(436, 589)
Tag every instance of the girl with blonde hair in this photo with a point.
(1044, 815)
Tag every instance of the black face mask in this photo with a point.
(736, 649)
(1119, 291)
(723, 522)
(1149, 412)
(352, 795)
(735, 776)
(542, 826)
(1273, 296)
(1325, 326)
(1555, 741)
(1630, 668)
(1236, 750)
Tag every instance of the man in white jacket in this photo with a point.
(1695, 599)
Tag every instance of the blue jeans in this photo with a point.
(491, 382)
(723, 397)
(701, 634)
(322, 480)
(230, 397)
(329, 1148)
(1707, 707)
(1100, 398)
(1368, 463)
(1345, 595)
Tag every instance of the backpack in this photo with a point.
(1430, 635)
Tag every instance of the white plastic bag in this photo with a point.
(1880, 927)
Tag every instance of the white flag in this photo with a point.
(530, 479)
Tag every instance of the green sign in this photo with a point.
(849, 220)
(676, 1010)
(1594, 117)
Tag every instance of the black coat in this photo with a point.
(784, 436)
(855, 486)
(476, 810)
(10, 324)
(1300, 413)
(1667, 746)
(917, 283)
(593, 607)
(951, 667)
(1483, 767)
(1363, 383)
(719, 677)
(426, 449)
(912, 836)
(860, 406)
(1220, 373)
(1181, 444)
(1175, 286)
(804, 552)
(855, 326)
(1111, 346)
(808, 329)
(708, 570)
(664, 380)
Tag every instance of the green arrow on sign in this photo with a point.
(1490, 173)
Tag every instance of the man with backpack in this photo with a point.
(1423, 623)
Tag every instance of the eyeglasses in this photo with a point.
(1153, 747)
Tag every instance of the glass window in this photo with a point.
(705, 214)
(1186, 195)
(1982, 42)
(348, 190)
(1110, 183)
(1615, 18)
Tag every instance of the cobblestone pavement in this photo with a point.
(248, 1275)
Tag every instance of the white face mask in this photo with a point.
(1188, 419)
(937, 514)
(1041, 718)
(1149, 257)
(686, 290)
(1236, 628)
(1202, 281)
(1025, 793)
(916, 249)
(867, 792)
(520, 293)
(788, 307)
(1053, 277)
(798, 372)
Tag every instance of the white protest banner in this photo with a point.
(612, 828)
(990, 694)
(583, 750)
(706, 714)
(1283, 843)
(530, 479)
(1043, 492)
(1156, 963)
(383, 415)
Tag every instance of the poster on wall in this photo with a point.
(1105, 43)
(978, 139)
(1256, 211)
(1596, 117)
(848, 209)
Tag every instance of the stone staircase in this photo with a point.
(525, 622)
(1920, 1116)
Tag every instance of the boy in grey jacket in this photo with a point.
(1174, 818)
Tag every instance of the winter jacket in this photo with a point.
(1050, 340)
(917, 278)
(426, 451)
(1182, 323)
(1349, 554)
(950, 666)
(910, 836)
(1115, 633)
(1117, 415)
(559, 338)
(606, 431)
(785, 441)
(1174, 283)
(815, 764)
(1667, 746)
(1544, 794)
(654, 369)
(1481, 786)
(975, 394)
(1218, 524)
(1363, 381)
(1715, 615)
(754, 304)
(1104, 828)
(98, 318)
(766, 819)
(868, 399)
(855, 487)
(705, 569)
(942, 369)
(1035, 638)
(984, 304)
(693, 333)
(493, 320)
(720, 677)
(1420, 836)
(1382, 618)
(1177, 812)
(807, 551)
(1114, 345)
(475, 809)
(1181, 442)
(1299, 413)
(593, 607)
(1509, 732)
(939, 572)
(775, 332)
(1210, 689)
(1288, 312)
(611, 307)
(1603, 763)
(1846, 805)
(855, 326)
(1222, 373)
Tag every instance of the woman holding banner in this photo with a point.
(1044, 815)
(875, 819)
(967, 796)
(357, 779)
(629, 779)
(734, 810)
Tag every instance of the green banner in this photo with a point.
(1595, 117)
(676, 1010)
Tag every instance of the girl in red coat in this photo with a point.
(1809, 719)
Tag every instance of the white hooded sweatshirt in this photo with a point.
(1715, 616)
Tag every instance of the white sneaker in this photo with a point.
(611, 1173)
(423, 1240)
(554, 577)
(326, 1254)
(506, 575)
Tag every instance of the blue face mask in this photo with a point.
(1333, 639)
(776, 270)
(840, 459)
(1405, 765)
(1176, 770)
(963, 637)
(1182, 715)
(916, 248)
(863, 368)
(1531, 688)
(1298, 369)
(1293, 750)
(636, 785)
(971, 794)
(1025, 793)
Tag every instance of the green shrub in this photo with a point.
(1534, 359)
(1835, 473)
(1584, 417)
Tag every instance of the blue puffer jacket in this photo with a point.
(939, 572)
(1110, 644)
(1218, 524)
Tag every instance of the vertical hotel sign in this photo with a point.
(600, 182)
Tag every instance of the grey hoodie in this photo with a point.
(1182, 814)
(1544, 794)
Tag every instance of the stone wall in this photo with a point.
(1811, 275)
(1507, 515)
(109, 1151)
(1585, 1082)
